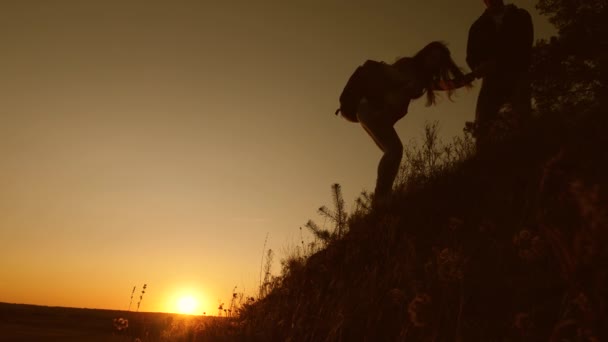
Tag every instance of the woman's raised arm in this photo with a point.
(456, 83)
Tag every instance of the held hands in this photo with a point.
(463, 81)
(469, 78)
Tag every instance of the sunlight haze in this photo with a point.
(159, 142)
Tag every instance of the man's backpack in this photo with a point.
(369, 80)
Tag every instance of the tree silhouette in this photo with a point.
(569, 70)
(338, 216)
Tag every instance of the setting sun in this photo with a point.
(186, 300)
(187, 305)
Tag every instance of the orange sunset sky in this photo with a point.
(159, 142)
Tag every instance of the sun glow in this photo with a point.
(187, 305)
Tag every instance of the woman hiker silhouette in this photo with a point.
(430, 70)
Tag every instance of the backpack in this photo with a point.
(370, 81)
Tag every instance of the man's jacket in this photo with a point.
(510, 45)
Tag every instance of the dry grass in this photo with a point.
(508, 245)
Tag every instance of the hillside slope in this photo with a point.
(507, 245)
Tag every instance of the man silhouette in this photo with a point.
(499, 50)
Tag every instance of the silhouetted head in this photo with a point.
(433, 56)
(494, 5)
(434, 64)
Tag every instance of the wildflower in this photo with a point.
(420, 310)
(131, 301)
(487, 227)
(141, 296)
(529, 245)
(396, 297)
(455, 223)
(582, 303)
(571, 330)
(523, 323)
(450, 264)
(444, 255)
(588, 201)
(120, 324)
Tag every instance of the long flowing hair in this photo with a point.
(430, 77)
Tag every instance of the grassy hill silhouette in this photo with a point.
(511, 244)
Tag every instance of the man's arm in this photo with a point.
(473, 59)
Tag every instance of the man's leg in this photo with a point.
(491, 98)
(521, 101)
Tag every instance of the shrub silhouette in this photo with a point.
(338, 217)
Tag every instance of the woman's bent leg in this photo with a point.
(384, 135)
(390, 161)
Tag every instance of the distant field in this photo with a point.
(29, 323)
